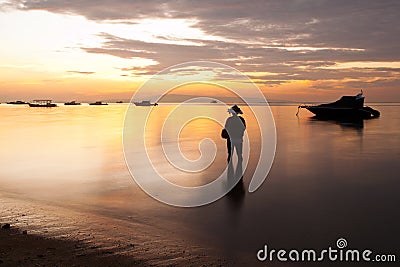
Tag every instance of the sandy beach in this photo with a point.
(18, 249)
(56, 236)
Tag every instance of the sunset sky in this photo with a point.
(298, 50)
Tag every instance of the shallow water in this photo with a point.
(328, 179)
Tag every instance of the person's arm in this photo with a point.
(227, 122)
(243, 121)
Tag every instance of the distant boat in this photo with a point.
(119, 102)
(18, 102)
(347, 107)
(42, 103)
(72, 103)
(145, 103)
(98, 103)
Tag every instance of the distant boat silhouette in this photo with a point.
(119, 102)
(145, 103)
(72, 103)
(18, 102)
(42, 103)
(98, 103)
(347, 107)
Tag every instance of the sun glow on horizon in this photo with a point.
(41, 46)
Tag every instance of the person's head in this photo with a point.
(235, 110)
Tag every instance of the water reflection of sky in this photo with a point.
(328, 179)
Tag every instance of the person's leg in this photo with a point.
(229, 147)
(239, 170)
(239, 148)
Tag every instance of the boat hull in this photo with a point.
(141, 105)
(98, 103)
(42, 106)
(144, 105)
(343, 113)
(17, 103)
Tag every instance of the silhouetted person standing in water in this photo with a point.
(235, 126)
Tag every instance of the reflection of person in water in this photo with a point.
(235, 126)
(237, 193)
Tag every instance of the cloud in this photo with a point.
(81, 72)
(293, 40)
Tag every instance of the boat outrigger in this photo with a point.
(347, 107)
(42, 103)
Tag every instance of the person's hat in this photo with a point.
(235, 109)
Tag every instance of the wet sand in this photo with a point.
(58, 236)
(18, 249)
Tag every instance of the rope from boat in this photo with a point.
(298, 110)
(299, 107)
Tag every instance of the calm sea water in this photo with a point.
(328, 179)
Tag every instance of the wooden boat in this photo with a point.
(72, 103)
(347, 107)
(42, 103)
(98, 103)
(145, 103)
(18, 102)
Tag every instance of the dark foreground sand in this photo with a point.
(18, 249)
(62, 236)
